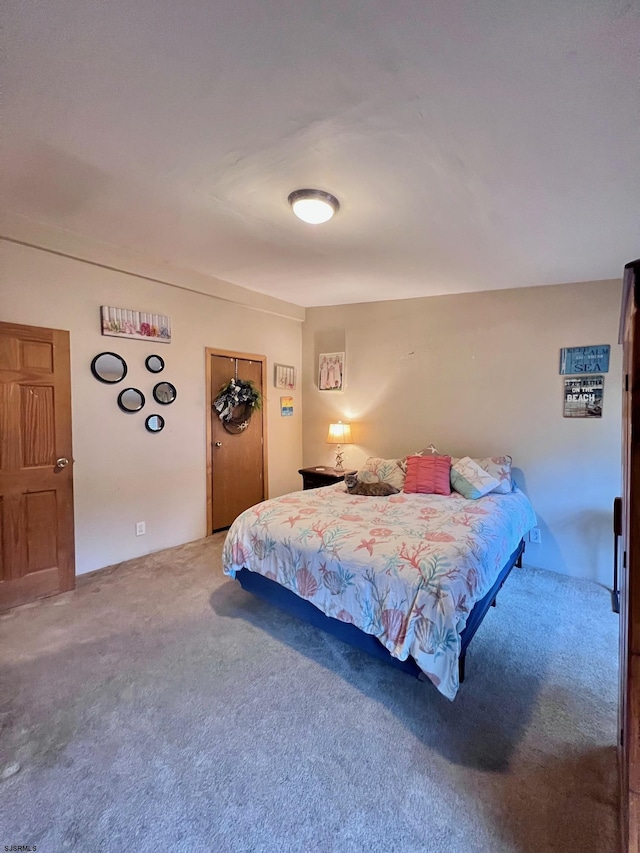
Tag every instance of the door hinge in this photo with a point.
(621, 737)
(624, 560)
(626, 382)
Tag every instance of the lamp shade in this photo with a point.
(339, 433)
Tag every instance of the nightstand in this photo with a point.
(312, 478)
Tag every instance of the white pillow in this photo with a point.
(471, 480)
(499, 467)
(386, 470)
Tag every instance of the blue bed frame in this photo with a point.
(287, 600)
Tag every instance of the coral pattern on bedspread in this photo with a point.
(407, 568)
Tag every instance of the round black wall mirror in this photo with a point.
(154, 363)
(164, 393)
(154, 423)
(131, 400)
(109, 367)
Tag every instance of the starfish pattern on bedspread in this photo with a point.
(407, 568)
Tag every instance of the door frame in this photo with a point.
(208, 352)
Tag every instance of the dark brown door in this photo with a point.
(630, 574)
(36, 482)
(237, 457)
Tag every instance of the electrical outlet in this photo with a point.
(140, 528)
(535, 536)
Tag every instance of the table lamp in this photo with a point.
(339, 434)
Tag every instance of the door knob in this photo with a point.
(218, 444)
(62, 462)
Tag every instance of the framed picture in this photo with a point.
(594, 359)
(124, 323)
(331, 371)
(284, 376)
(583, 396)
(286, 407)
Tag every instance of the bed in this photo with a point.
(408, 577)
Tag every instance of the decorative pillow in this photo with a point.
(372, 489)
(470, 480)
(386, 470)
(365, 476)
(427, 451)
(500, 468)
(428, 475)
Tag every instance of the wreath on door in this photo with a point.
(235, 404)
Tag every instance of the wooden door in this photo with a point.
(36, 481)
(630, 574)
(237, 460)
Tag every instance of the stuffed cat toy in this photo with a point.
(356, 487)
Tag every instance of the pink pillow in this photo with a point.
(428, 475)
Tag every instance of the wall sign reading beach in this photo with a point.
(123, 323)
(583, 396)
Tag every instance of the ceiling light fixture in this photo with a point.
(313, 206)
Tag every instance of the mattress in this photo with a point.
(407, 568)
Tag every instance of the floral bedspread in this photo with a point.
(407, 568)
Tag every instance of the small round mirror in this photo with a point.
(131, 400)
(154, 423)
(154, 363)
(109, 367)
(164, 393)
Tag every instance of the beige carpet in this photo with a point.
(160, 707)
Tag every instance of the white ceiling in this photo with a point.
(473, 144)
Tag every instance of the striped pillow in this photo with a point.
(428, 475)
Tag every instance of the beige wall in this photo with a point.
(477, 374)
(473, 373)
(122, 473)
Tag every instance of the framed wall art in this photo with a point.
(583, 396)
(331, 371)
(284, 376)
(594, 359)
(124, 323)
(286, 407)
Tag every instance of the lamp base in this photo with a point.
(339, 460)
